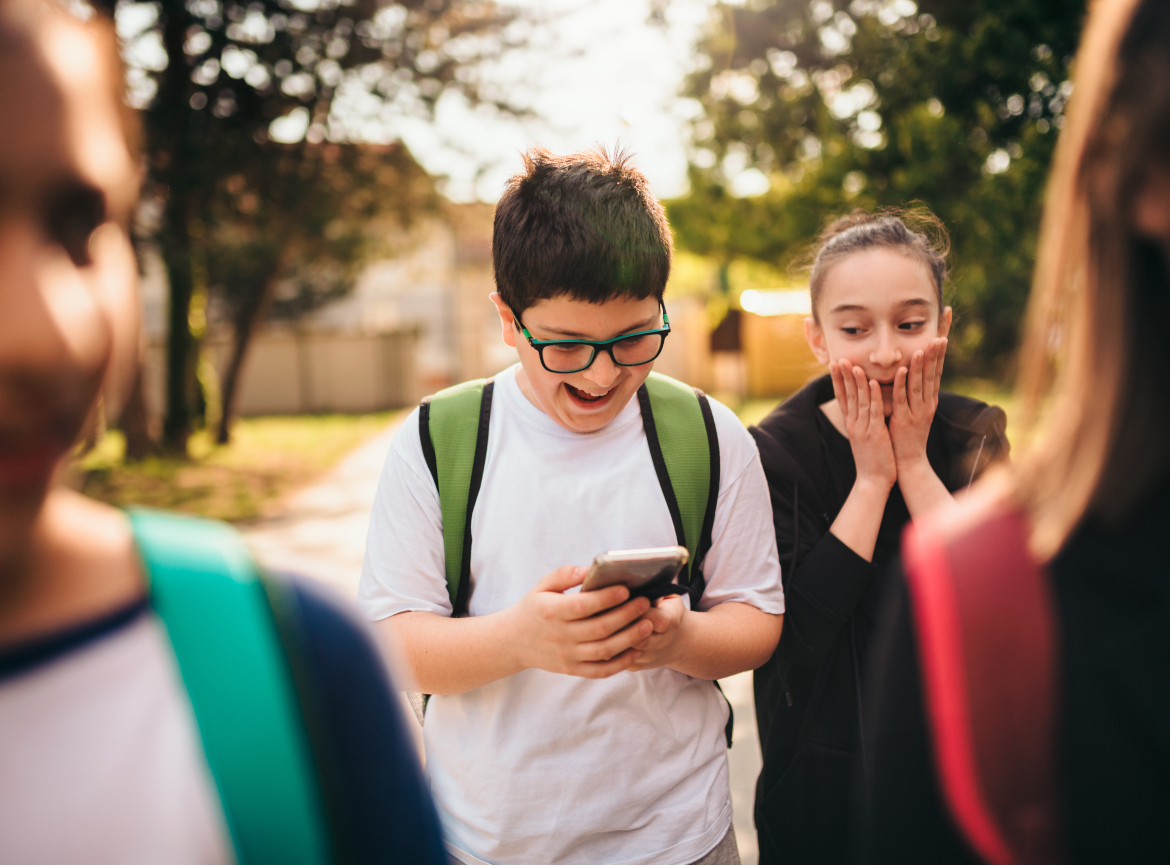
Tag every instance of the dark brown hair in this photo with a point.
(583, 225)
(1093, 363)
(915, 232)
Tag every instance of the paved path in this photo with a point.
(321, 532)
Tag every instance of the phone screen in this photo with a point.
(647, 573)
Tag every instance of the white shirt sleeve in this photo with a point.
(742, 564)
(404, 568)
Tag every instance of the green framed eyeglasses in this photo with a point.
(573, 355)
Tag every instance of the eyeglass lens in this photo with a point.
(571, 357)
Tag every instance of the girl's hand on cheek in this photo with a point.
(915, 402)
(860, 401)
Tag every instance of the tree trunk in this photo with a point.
(180, 345)
(135, 422)
(179, 172)
(249, 317)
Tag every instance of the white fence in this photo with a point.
(291, 372)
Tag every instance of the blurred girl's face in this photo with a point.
(68, 309)
(877, 308)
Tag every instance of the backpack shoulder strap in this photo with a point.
(453, 427)
(684, 448)
(206, 590)
(988, 641)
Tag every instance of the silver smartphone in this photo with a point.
(648, 573)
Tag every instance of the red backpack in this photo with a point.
(987, 635)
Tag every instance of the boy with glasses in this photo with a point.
(568, 726)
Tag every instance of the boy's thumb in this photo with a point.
(562, 578)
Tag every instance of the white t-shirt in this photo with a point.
(539, 767)
(101, 762)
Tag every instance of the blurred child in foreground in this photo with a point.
(100, 757)
(1091, 491)
(850, 460)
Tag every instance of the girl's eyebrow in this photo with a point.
(857, 307)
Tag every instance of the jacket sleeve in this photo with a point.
(827, 581)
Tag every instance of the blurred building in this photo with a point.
(413, 324)
(756, 352)
(777, 359)
(422, 320)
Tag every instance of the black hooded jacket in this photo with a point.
(808, 695)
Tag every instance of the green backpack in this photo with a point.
(684, 447)
(221, 618)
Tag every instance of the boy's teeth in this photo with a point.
(585, 394)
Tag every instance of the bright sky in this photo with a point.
(595, 71)
(591, 71)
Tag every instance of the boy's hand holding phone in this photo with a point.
(648, 573)
(588, 634)
(662, 647)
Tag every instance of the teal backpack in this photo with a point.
(221, 618)
(684, 447)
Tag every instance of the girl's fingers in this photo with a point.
(900, 389)
(938, 366)
(929, 364)
(876, 415)
(850, 386)
(915, 381)
(863, 393)
(838, 385)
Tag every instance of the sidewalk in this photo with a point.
(321, 532)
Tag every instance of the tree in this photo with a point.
(305, 224)
(232, 91)
(834, 104)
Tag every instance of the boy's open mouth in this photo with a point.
(584, 398)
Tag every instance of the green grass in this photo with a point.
(267, 458)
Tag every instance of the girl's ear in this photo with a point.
(507, 319)
(944, 322)
(816, 339)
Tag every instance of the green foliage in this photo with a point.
(836, 105)
(252, 117)
(303, 225)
